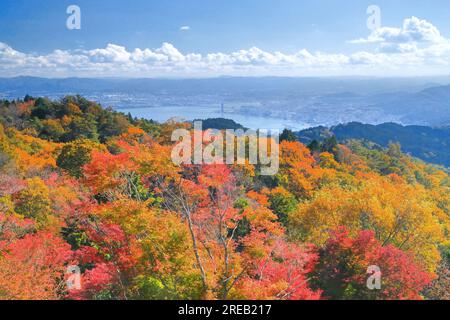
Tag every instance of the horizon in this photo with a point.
(362, 77)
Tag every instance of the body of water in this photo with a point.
(121, 103)
(162, 114)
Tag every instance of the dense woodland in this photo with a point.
(85, 186)
(426, 143)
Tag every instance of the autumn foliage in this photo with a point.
(344, 261)
(88, 187)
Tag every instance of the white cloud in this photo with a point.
(414, 30)
(112, 53)
(147, 56)
(185, 28)
(9, 55)
(171, 52)
(416, 42)
(418, 48)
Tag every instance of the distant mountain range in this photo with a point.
(308, 102)
(330, 85)
(426, 143)
(429, 106)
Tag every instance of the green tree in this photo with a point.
(43, 108)
(282, 203)
(82, 128)
(75, 155)
(34, 201)
(314, 146)
(288, 135)
(330, 145)
(51, 130)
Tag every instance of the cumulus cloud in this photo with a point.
(10, 56)
(185, 28)
(414, 30)
(112, 53)
(418, 47)
(417, 40)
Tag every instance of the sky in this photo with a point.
(207, 38)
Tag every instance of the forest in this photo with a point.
(87, 188)
(430, 144)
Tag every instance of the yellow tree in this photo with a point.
(400, 214)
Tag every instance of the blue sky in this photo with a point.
(323, 29)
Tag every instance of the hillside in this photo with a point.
(95, 194)
(426, 143)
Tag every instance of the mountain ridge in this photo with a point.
(431, 144)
